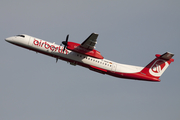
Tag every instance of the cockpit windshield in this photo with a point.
(20, 35)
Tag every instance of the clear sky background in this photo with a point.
(33, 86)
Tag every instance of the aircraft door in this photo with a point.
(113, 69)
(31, 41)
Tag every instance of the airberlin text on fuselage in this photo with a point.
(46, 45)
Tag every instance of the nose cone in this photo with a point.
(9, 39)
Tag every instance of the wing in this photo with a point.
(90, 42)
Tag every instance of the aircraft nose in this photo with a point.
(9, 39)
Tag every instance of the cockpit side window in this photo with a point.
(20, 35)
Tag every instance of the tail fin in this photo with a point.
(156, 68)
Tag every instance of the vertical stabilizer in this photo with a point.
(158, 65)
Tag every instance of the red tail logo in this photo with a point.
(158, 67)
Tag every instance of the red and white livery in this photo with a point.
(85, 55)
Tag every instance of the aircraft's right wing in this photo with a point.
(90, 42)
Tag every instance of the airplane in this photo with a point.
(85, 55)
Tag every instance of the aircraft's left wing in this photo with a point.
(90, 42)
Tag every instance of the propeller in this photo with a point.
(65, 42)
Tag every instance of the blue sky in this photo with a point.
(34, 86)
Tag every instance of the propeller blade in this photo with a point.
(67, 37)
(65, 42)
(64, 48)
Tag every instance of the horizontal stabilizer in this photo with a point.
(166, 56)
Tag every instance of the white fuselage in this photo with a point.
(100, 65)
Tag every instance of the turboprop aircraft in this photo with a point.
(85, 55)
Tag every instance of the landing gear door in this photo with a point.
(113, 69)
